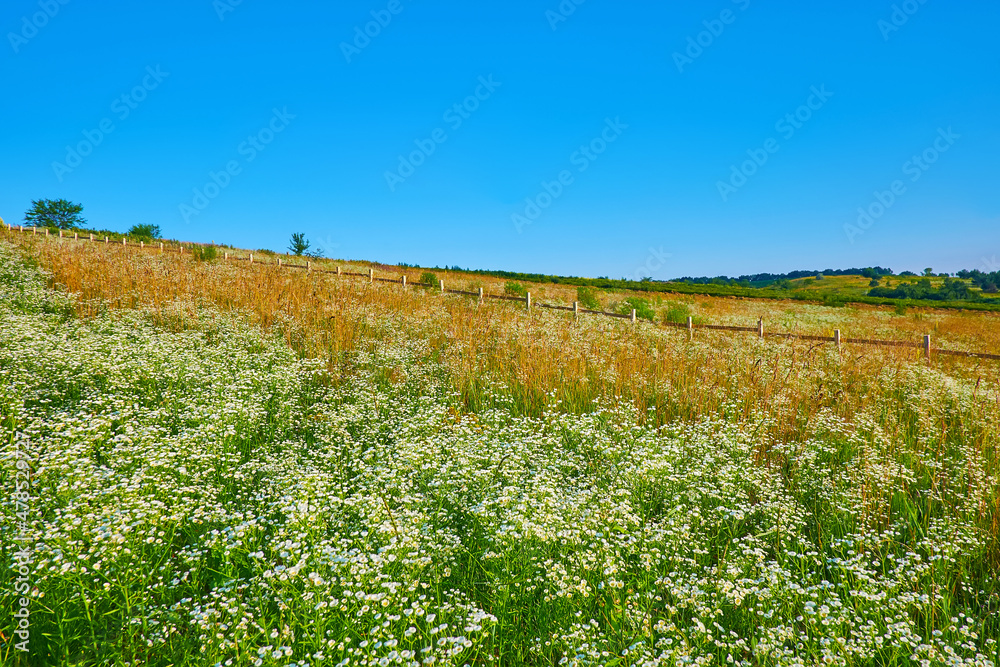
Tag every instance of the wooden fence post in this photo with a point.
(760, 328)
(371, 276)
(338, 270)
(34, 230)
(309, 266)
(836, 338)
(142, 245)
(105, 240)
(404, 281)
(91, 238)
(60, 233)
(76, 236)
(690, 328)
(633, 316)
(576, 309)
(442, 286)
(279, 262)
(161, 247)
(124, 241)
(251, 258)
(46, 231)
(927, 347)
(528, 299)
(480, 295)
(226, 254)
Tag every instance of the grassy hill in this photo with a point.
(832, 290)
(232, 463)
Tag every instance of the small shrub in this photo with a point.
(833, 301)
(204, 253)
(429, 279)
(643, 310)
(515, 289)
(678, 313)
(588, 299)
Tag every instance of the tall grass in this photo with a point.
(227, 473)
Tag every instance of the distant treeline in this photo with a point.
(765, 279)
(757, 280)
(988, 282)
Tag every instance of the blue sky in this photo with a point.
(602, 138)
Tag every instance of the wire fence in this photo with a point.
(690, 326)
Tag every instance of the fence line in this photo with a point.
(836, 339)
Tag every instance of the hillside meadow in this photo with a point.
(241, 465)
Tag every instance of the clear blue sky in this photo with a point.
(662, 119)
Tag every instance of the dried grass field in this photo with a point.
(241, 465)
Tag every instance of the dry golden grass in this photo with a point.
(546, 356)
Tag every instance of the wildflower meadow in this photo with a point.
(186, 484)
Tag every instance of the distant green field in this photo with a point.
(829, 290)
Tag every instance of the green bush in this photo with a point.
(835, 300)
(643, 310)
(588, 299)
(144, 232)
(429, 279)
(678, 312)
(204, 253)
(515, 289)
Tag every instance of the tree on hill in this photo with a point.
(299, 246)
(145, 232)
(59, 213)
